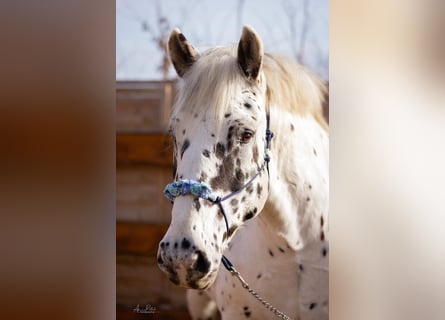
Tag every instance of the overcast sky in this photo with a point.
(210, 22)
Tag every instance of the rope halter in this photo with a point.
(202, 190)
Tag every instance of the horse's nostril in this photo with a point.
(160, 261)
(202, 263)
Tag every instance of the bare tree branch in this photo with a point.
(239, 14)
(304, 30)
(291, 12)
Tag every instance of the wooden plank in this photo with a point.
(141, 114)
(140, 281)
(139, 195)
(143, 106)
(141, 85)
(154, 149)
(139, 238)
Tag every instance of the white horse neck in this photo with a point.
(298, 202)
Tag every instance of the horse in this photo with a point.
(256, 205)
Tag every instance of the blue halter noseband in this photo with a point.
(202, 190)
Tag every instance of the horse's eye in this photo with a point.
(246, 136)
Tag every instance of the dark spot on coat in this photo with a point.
(227, 115)
(183, 131)
(259, 275)
(212, 135)
(234, 202)
(308, 199)
(271, 253)
(185, 244)
(229, 144)
(229, 137)
(184, 147)
(259, 189)
(238, 162)
(232, 230)
(175, 167)
(321, 221)
(315, 152)
(281, 250)
(239, 174)
(206, 153)
(248, 105)
(248, 215)
(312, 305)
(247, 314)
(202, 264)
(220, 150)
(300, 266)
(292, 127)
(322, 236)
(197, 204)
(203, 176)
(175, 245)
(324, 251)
(227, 179)
(194, 227)
(255, 154)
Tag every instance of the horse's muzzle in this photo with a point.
(185, 265)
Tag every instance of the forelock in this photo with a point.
(210, 84)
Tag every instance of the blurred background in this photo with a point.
(58, 124)
(145, 90)
(295, 28)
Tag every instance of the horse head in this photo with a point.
(219, 125)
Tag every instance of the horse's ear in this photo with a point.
(250, 53)
(182, 53)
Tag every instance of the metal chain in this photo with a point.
(269, 306)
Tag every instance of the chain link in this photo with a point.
(269, 306)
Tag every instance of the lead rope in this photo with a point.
(229, 266)
(226, 262)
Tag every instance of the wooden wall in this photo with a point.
(144, 167)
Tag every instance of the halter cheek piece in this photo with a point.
(203, 190)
